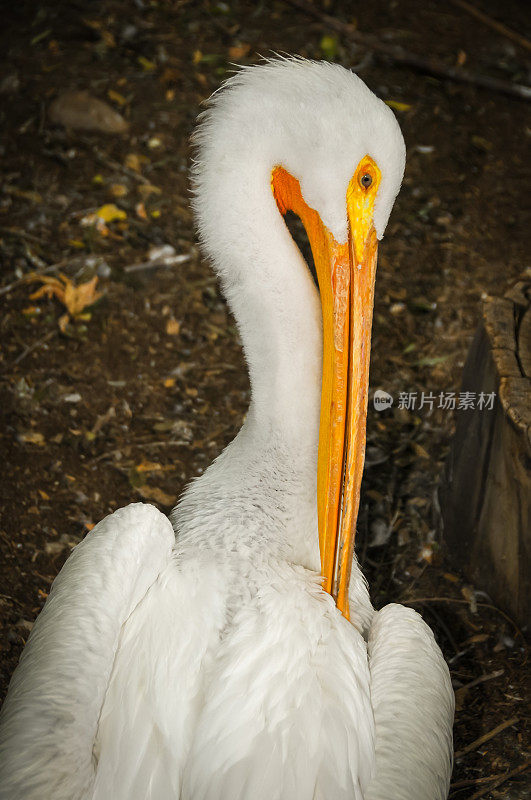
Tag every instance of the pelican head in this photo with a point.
(320, 144)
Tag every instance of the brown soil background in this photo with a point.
(139, 398)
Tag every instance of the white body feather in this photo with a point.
(210, 665)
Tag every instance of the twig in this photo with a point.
(168, 261)
(400, 56)
(114, 165)
(171, 443)
(486, 737)
(445, 628)
(25, 279)
(492, 23)
(474, 781)
(481, 679)
(18, 234)
(412, 601)
(512, 774)
(11, 599)
(33, 347)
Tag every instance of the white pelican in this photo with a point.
(214, 659)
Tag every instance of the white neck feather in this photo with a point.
(317, 120)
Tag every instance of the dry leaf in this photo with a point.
(109, 212)
(145, 189)
(32, 437)
(63, 322)
(169, 382)
(74, 298)
(132, 161)
(239, 51)
(397, 106)
(173, 327)
(118, 189)
(146, 64)
(148, 466)
(140, 210)
(419, 450)
(449, 577)
(117, 97)
(154, 493)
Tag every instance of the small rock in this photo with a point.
(26, 624)
(10, 84)
(380, 532)
(104, 270)
(80, 110)
(160, 252)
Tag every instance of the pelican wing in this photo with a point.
(50, 717)
(413, 706)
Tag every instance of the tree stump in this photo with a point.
(485, 495)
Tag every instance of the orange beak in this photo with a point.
(346, 275)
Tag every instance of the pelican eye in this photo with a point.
(366, 180)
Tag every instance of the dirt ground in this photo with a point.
(140, 392)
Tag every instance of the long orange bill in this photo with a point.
(346, 275)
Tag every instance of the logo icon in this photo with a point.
(382, 400)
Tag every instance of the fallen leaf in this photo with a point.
(118, 189)
(32, 437)
(140, 210)
(146, 64)
(116, 97)
(169, 382)
(419, 450)
(132, 161)
(426, 553)
(239, 51)
(470, 595)
(110, 212)
(431, 361)
(481, 143)
(449, 577)
(154, 493)
(148, 466)
(145, 189)
(397, 106)
(173, 327)
(43, 494)
(329, 46)
(74, 298)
